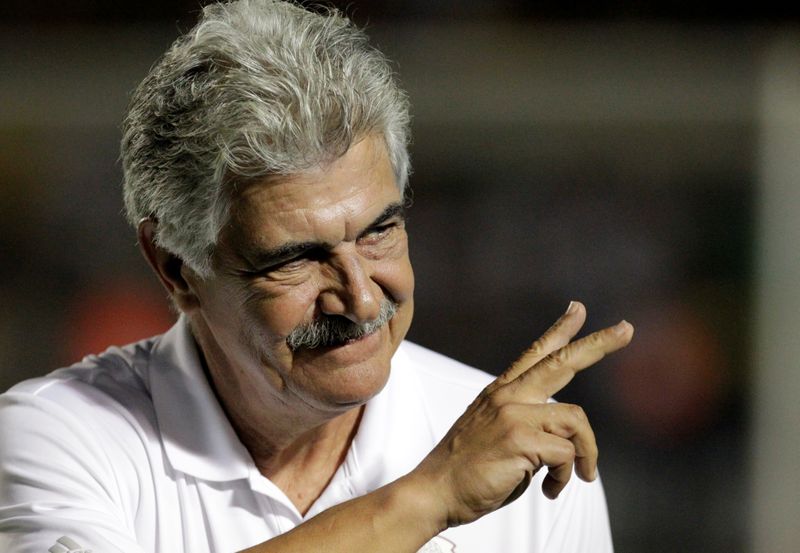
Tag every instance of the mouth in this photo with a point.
(334, 331)
(361, 338)
(343, 343)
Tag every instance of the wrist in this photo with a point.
(417, 497)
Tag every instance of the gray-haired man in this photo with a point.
(265, 167)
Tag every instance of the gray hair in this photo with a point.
(256, 88)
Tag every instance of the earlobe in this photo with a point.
(167, 266)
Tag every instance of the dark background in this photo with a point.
(596, 151)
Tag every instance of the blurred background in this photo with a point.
(639, 156)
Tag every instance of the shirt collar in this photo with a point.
(395, 433)
(197, 436)
(393, 436)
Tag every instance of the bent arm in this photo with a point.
(486, 460)
(60, 481)
(397, 518)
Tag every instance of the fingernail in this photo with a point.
(571, 308)
(621, 327)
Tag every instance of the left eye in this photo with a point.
(377, 232)
(293, 264)
(286, 266)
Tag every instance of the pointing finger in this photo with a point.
(556, 337)
(556, 370)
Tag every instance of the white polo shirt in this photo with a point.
(130, 452)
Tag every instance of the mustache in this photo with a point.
(331, 330)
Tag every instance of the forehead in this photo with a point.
(328, 203)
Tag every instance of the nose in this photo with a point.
(350, 291)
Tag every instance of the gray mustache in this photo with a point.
(331, 330)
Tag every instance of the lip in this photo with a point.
(351, 341)
(360, 338)
(351, 351)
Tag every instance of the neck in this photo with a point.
(305, 468)
(300, 463)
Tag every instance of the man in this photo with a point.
(265, 166)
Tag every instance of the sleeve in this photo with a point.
(62, 483)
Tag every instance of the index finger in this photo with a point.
(556, 337)
(555, 371)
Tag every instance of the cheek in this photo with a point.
(406, 278)
(397, 277)
(394, 273)
(396, 281)
(280, 313)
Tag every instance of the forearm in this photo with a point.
(397, 518)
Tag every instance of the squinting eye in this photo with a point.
(293, 264)
(299, 262)
(287, 266)
(380, 232)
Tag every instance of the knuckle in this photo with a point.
(553, 410)
(536, 349)
(518, 437)
(488, 391)
(578, 414)
(554, 361)
(509, 393)
(563, 356)
(495, 400)
(567, 450)
(597, 339)
(507, 416)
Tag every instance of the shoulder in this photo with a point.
(119, 374)
(446, 386)
(102, 399)
(80, 433)
(76, 447)
(438, 369)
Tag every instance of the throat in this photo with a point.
(306, 467)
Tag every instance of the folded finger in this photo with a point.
(570, 422)
(558, 455)
(556, 480)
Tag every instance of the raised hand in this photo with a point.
(511, 431)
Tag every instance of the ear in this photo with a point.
(168, 267)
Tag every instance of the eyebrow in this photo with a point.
(273, 256)
(392, 210)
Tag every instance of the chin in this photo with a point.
(345, 387)
(349, 374)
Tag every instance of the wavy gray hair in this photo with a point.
(256, 88)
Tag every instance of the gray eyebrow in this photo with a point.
(392, 210)
(289, 250)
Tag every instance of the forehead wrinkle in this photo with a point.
(371, 160)
(260, 254)
(357, 207)
(312, 207)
